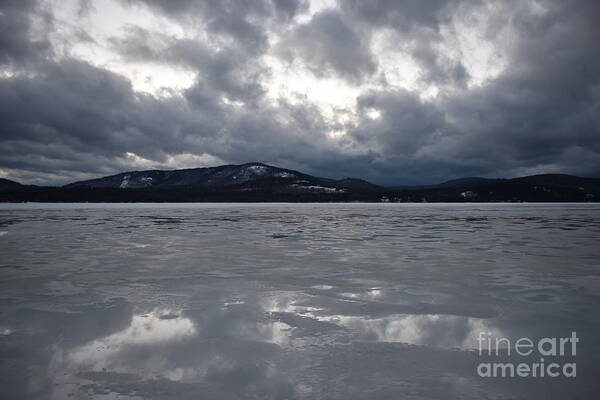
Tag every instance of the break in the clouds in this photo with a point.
(397, 92)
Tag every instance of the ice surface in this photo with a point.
(285, 301)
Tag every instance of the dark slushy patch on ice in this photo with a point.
(541, 298)
(169, 316)
(290, 301)
(13, 266)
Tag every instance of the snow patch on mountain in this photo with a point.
(316, 188)
(125, 182)
(285, 175)
(258, 169)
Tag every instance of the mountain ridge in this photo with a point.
(259, 182)
(223, 175)
(8, 184)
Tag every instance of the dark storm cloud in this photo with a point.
(546, 106)
(439, 69)
(328, 45)
(403, 15)
(74, 108)
(542, 112)
(78, 118)
(227, 71)
(84, 8)
(243, 21)
(227, 9)
(406, 123)
(61, 117)
(16, 44)
(416, 26)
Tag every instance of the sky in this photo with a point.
(397, 92)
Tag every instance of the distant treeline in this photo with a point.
(499, 192)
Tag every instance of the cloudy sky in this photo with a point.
(394, 91)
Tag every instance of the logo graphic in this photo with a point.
(558, 350)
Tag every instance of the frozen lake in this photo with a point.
(286, 301)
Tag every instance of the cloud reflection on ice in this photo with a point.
(228, 350)
(447, 331)
(436, 330)
(156, 327)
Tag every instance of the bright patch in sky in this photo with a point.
(296, 82)
(469, 40)
(87, 36)
(131, 160)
